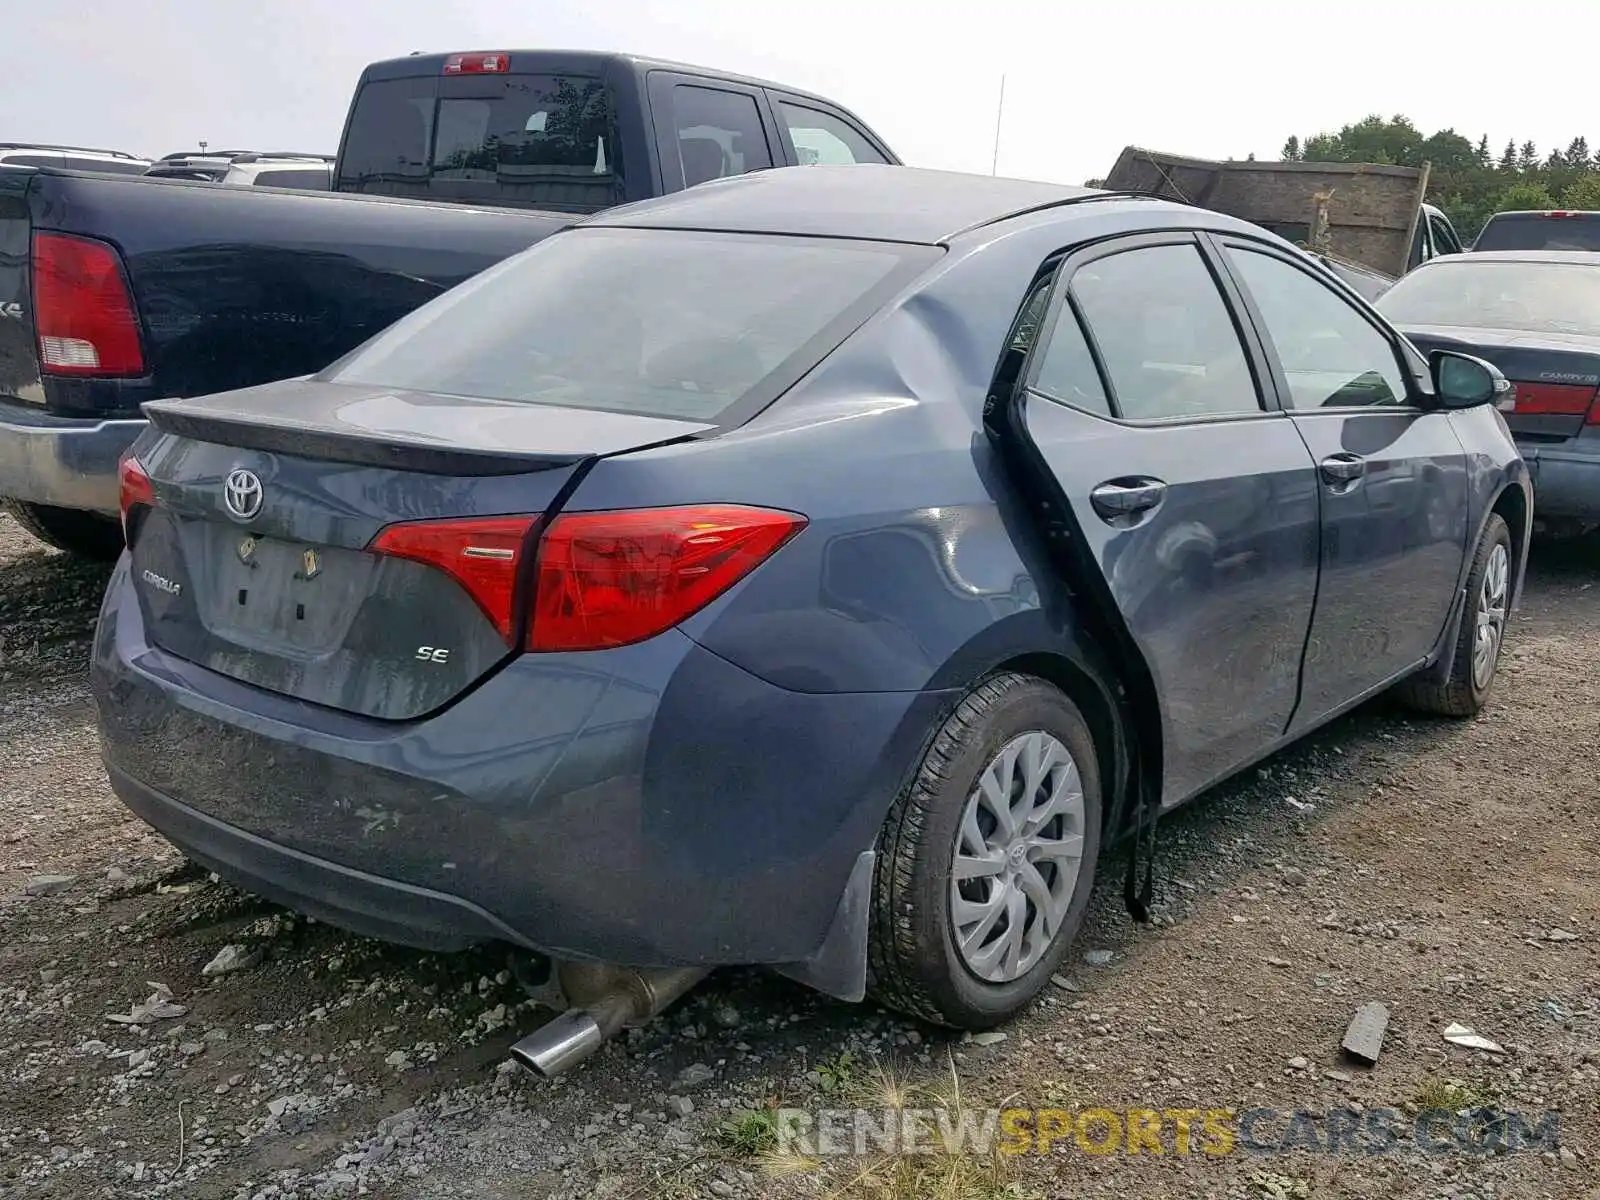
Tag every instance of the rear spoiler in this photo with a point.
(396, 451)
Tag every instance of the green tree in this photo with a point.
(1467, 180)
(1524, 194)
(1584, 194)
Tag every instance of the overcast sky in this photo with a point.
(1210, 79)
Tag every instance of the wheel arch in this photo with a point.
(1513, 504)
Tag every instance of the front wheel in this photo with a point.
(986, 860)
(1475, 657)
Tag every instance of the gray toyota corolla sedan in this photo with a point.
(815, 569)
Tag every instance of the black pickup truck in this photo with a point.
(118, 290)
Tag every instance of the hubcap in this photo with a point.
(1491, 616)
(1018, 855)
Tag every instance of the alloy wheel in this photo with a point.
(1018, 854)
(1491, 620)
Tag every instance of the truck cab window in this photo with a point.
(821, 137)
(545, 141)
(719, 133)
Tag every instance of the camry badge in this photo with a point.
(311, 564)
(241, 494)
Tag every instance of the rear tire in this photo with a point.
(1476, 654)
(930, 953)
(86, 534)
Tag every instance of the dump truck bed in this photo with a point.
(1365, 213)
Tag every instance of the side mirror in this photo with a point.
(1464, 381)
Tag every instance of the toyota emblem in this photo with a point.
(241, 494)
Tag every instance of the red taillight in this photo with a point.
(482, 554)
(496, 62)
(1594, 410)
(134, 489)
(1552, 399)
(612, 578)
(82, 310)
(604, 578)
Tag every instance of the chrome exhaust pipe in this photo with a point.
(560, 1043)
(601, 1001)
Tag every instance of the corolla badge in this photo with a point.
(241, 494)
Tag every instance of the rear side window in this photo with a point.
(1169, 346)
(310, 180)
(719, 133)
(545, 141)
(821, 137)
(656, 322)
(1540, 231)
(1067, 371)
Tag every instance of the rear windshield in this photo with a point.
(1536, 231)
(1463, 290)
(545, 141)
(654, 322)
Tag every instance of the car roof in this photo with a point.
(573, 61)
(1582, 257)
(8, 147)
(867, 200)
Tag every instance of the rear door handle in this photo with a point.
(1343, 468)
(1122, 499)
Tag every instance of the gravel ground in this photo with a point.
(164, 1035)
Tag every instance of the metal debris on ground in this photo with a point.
(157, 1007)
(1462, 1035)
(1363, 1040)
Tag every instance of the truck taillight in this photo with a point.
(496, 62)
(83, 311)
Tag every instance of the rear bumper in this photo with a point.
(1566, 479)
(652, 805)
(62, 461)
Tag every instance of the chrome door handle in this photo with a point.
(1117, 499)
(1342, 468)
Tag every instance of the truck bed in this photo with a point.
(236, 286)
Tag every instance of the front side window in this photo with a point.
(821, 137)
(1331, 355)
(1444, 240)
(719, 133)
(661, 323)
(1169, 346)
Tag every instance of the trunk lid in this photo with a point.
(1556, 376)
(282, 590)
